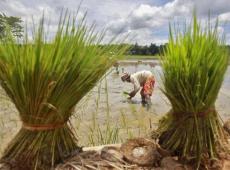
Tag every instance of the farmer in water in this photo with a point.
(144, 79)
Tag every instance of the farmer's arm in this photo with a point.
(136, 87)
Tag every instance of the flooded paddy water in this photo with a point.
(105, 115)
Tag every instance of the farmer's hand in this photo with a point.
(131, 95)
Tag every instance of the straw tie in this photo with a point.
(202, 114)
(42, 127)
(199, 114)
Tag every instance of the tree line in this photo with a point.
(151, 49)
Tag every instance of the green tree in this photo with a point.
(154, 49)
(12, 23)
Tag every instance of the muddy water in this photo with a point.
(116, 87)
(111, 93)
(160, 104)
(113, 103)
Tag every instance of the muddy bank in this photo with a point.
(138, 154)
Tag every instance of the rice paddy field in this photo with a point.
(105, 115)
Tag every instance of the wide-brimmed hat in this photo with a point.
(125, 76)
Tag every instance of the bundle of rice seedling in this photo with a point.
(45, 80)
(194, 65)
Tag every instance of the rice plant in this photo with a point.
(45, 79)
(102, 133)
(194, 65)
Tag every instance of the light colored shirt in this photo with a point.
(139, 78)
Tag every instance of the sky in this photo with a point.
(145, 21)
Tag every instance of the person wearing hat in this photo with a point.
(142, 79)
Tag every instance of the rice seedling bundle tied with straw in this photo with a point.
(194, 65)
(45, 80)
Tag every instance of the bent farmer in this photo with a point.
(144, 79)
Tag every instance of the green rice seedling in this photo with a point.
(45, 80)
(106, 132)
(194, 65)
(123, 119)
